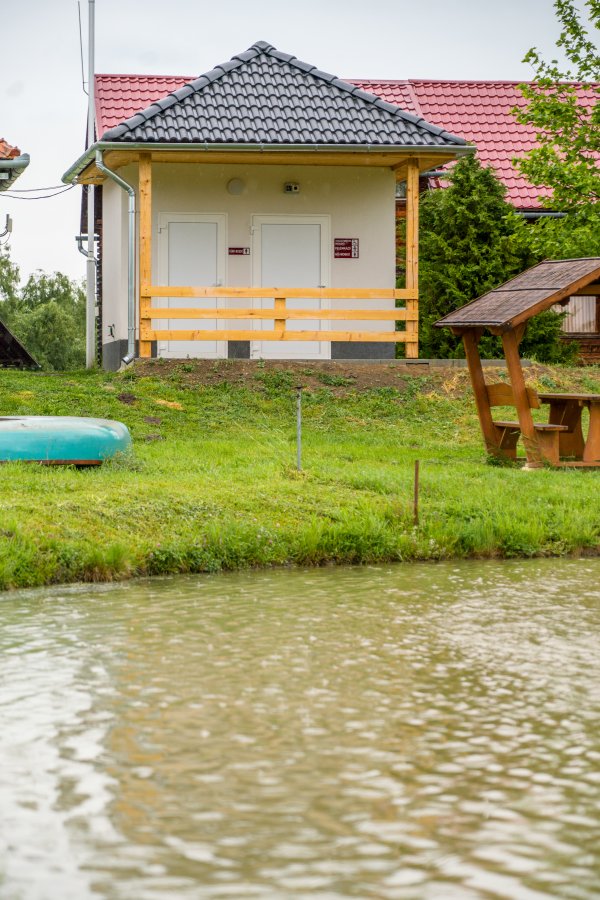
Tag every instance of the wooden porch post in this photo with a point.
(412, 255)
(510, 342)
(488, 429)
(145, 173)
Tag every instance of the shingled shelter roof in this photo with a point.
(522, 297)
(13, 354)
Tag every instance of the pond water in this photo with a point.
(426, 731)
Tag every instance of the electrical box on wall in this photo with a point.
(291, 187)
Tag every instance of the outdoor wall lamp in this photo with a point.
(236, 186)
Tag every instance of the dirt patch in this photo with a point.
(345, 377)
(338, 376)
(128, 399)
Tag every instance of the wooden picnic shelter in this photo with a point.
(505, 311)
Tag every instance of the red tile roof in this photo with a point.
(476, 110)
(479, 111)
(120, 96)
(8, 152)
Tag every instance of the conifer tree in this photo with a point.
(471, 241)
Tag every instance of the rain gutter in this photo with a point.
(14, 167)
(88, 157)
(542, 214)
(131, 253)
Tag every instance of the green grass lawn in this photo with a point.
(212, 484)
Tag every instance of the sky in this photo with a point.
(43, 106)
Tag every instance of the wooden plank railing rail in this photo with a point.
(280, 314)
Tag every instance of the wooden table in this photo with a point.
(566, 409)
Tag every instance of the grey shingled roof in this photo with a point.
(263, 96)
(525, 295)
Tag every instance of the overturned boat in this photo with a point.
(61, 440)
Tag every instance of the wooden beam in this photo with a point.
(279, 315)
(150, 334)
(591, 453)
(412, 253)
(515, 371)
(145, 243)
(397, 159)
(426, 162)
(592, 290)
(520, 332)
(383, 315)
(163, 290)
(491, 438)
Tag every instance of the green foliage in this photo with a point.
(9, 281)
(567, 125)
(574, 236)
(52, 336)
(471, 240)
(47, 315)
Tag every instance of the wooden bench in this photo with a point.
(547, 434)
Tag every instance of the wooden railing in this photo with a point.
(280, 314)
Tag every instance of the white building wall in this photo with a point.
(359, 200)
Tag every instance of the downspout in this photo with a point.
(131, 260)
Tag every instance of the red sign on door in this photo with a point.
(239, 251)
(345, 248)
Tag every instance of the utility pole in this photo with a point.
(90, 318)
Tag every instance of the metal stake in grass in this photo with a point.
(416, 494)
(299, 428)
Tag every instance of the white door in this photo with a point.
(191, 254)
(291, 251)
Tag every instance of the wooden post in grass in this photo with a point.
(299, 428)
(519, 388)
(416, 494)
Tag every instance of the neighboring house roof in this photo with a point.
(8, 152)
(12, 353)
(12, 164)
(527, 294)
(118, 97)
(264, 96)
(481, 112)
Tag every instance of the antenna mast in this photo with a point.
(90, 319)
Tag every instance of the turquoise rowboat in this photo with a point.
(61, 440)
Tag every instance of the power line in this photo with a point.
(52, 187)
(42, 197)
(81, 50)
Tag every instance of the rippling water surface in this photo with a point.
(409, 732)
